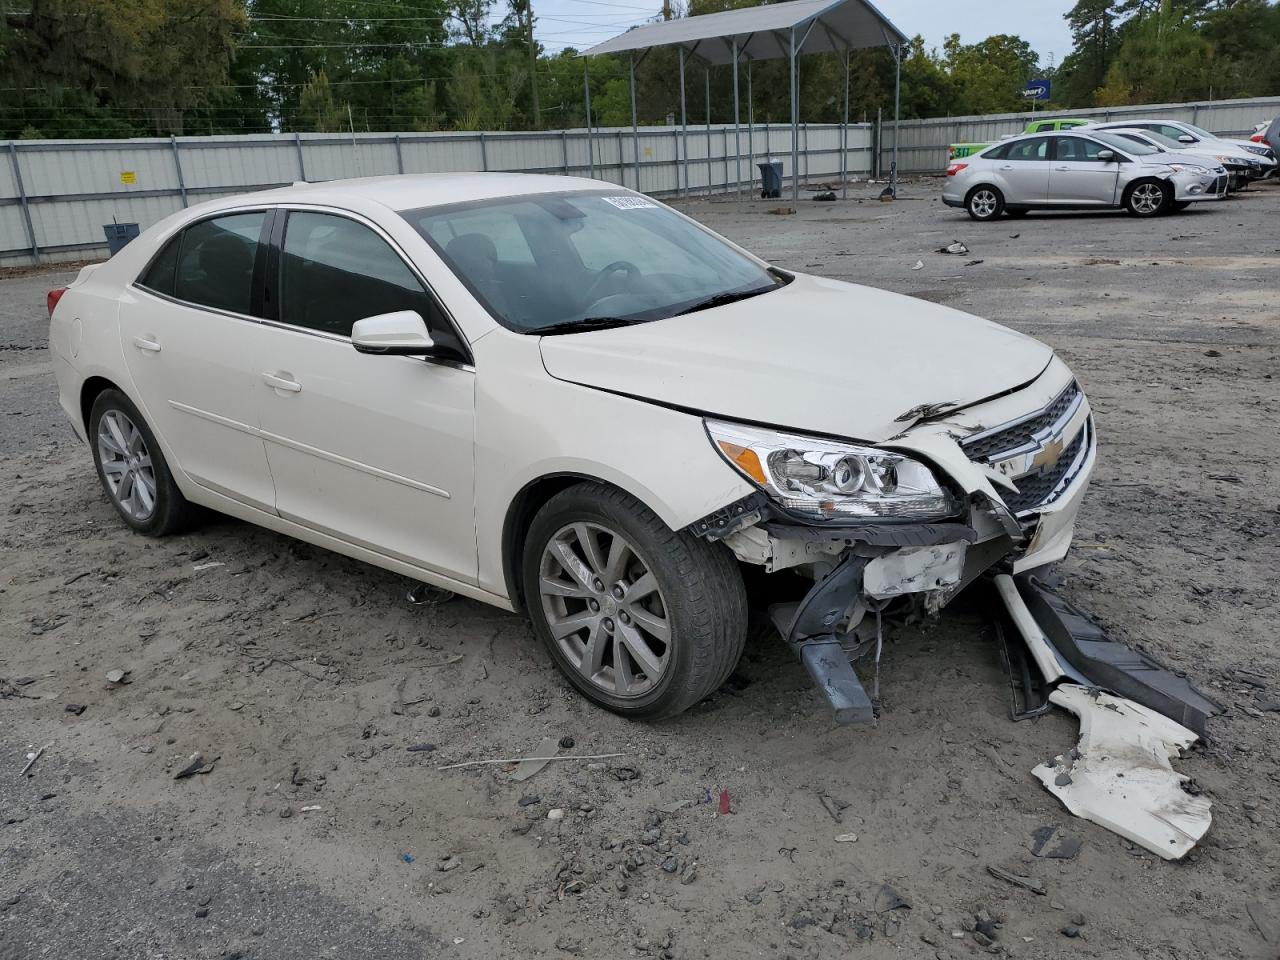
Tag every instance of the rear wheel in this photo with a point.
(132, 469)
(984, 202)
(1148, 198)
(644, 621)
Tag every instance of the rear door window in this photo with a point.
(216, 262)
(159, 275)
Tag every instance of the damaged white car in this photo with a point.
(561, 397)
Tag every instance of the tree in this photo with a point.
(318, 112)
(992, 73)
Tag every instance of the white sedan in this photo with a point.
(558, 396)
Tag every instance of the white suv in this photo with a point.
(558, 396)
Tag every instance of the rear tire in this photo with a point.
(984, 203)
(642, 620)
(133, 471)
(1148, 198)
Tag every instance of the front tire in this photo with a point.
(132, 470)
(1148, 198)
(984, 203)
(643, 621)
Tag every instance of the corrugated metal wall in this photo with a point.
(922, 147)
(56, 195)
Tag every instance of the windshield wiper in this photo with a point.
(723, 299)
(587, 323)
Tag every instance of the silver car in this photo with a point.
(1077, 170)
(1261, 158)
(1239, 166)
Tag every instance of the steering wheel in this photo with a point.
(606, 277)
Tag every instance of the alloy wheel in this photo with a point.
(605, 610)
(983, 203)
(126, 465)
(1147, 198)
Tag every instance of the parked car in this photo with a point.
(1077, 170)
(957, 151)
(557, 396)
(1239, 164)
(1262, 158)
(1268, 134)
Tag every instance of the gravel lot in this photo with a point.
(308, 677)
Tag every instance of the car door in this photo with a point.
(1078, 176)
(188, 331)
(1024, 168)
(374, 450)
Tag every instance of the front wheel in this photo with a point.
(984, 203)
(1147, 198)
(642, 620)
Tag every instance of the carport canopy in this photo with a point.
(766, 32)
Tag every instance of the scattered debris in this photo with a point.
(1119, 775)
(546, 750)
(1100, 262)
(31, 760)
(1051, 843)
(919, 265)
(846, 838)
(974, 263)
(725, 803)
(886, 195)
(834, 807)
(1027, 883)
(567, 743)
(196, 766)
(421, 747)
(407, 857)
(118, 676)
(311, 809)
(207, 566)
(76, 708)
(577, 756)
(1014, 236)
(1213, 353)
(826, 197)
(887, 898)
(1225, 478)
(555, 814)
(955, 247)
(781, 211)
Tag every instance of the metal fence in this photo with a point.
(922, 144)
(57, 195)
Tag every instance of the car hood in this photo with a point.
(817, 355)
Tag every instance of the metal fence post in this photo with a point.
(622, 166)
(484, 154)
(177, 166)
(564, 150)
(302, 165)
(22, 198)
(399, 156)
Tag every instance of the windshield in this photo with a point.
(1199, 132)
(1165, 143)
(586, 258)
(1127, 145)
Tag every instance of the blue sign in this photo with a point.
(1036, 90)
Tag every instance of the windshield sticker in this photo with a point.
(630, 203)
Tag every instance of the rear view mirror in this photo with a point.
(1106, 155)
(1186, 138)
(403, 333)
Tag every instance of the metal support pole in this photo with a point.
(706, 74)
(586, 86)
(751, 124)
(684, 126)
(564, 150)
(737, 124)
(622, 163)
(844, 134)
(897, 116)
(302, 166)
(177, 167)
(635, 126)
(399, 156)
(22, 198)
(484, 154)
(795, 123)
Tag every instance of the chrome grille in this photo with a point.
(1008, 438)
(1041, 488)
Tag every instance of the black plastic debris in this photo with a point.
(1051, 843)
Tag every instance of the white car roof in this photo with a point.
(411, 191)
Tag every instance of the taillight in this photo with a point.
(1256, 138)
(51, 300)
(955, 168)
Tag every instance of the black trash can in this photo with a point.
(119, 234)
(770, 179)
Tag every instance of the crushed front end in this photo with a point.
(993, 487)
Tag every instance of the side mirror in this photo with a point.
(1106, 156)
(1186, 138)
(403, 333)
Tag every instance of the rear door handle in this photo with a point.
(1062, 169)
(1007, 166)
(281, 383)
(144, 343)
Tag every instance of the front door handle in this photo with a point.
(1062, 169)
(281, 383)
(147, 344)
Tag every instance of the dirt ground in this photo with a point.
(307, 680)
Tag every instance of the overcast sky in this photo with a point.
(581, 23)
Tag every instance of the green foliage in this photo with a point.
(118, 68)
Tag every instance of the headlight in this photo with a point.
(828, 480)
(1254, 148)
(1190, 168)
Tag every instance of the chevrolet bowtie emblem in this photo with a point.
(1048, 456)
